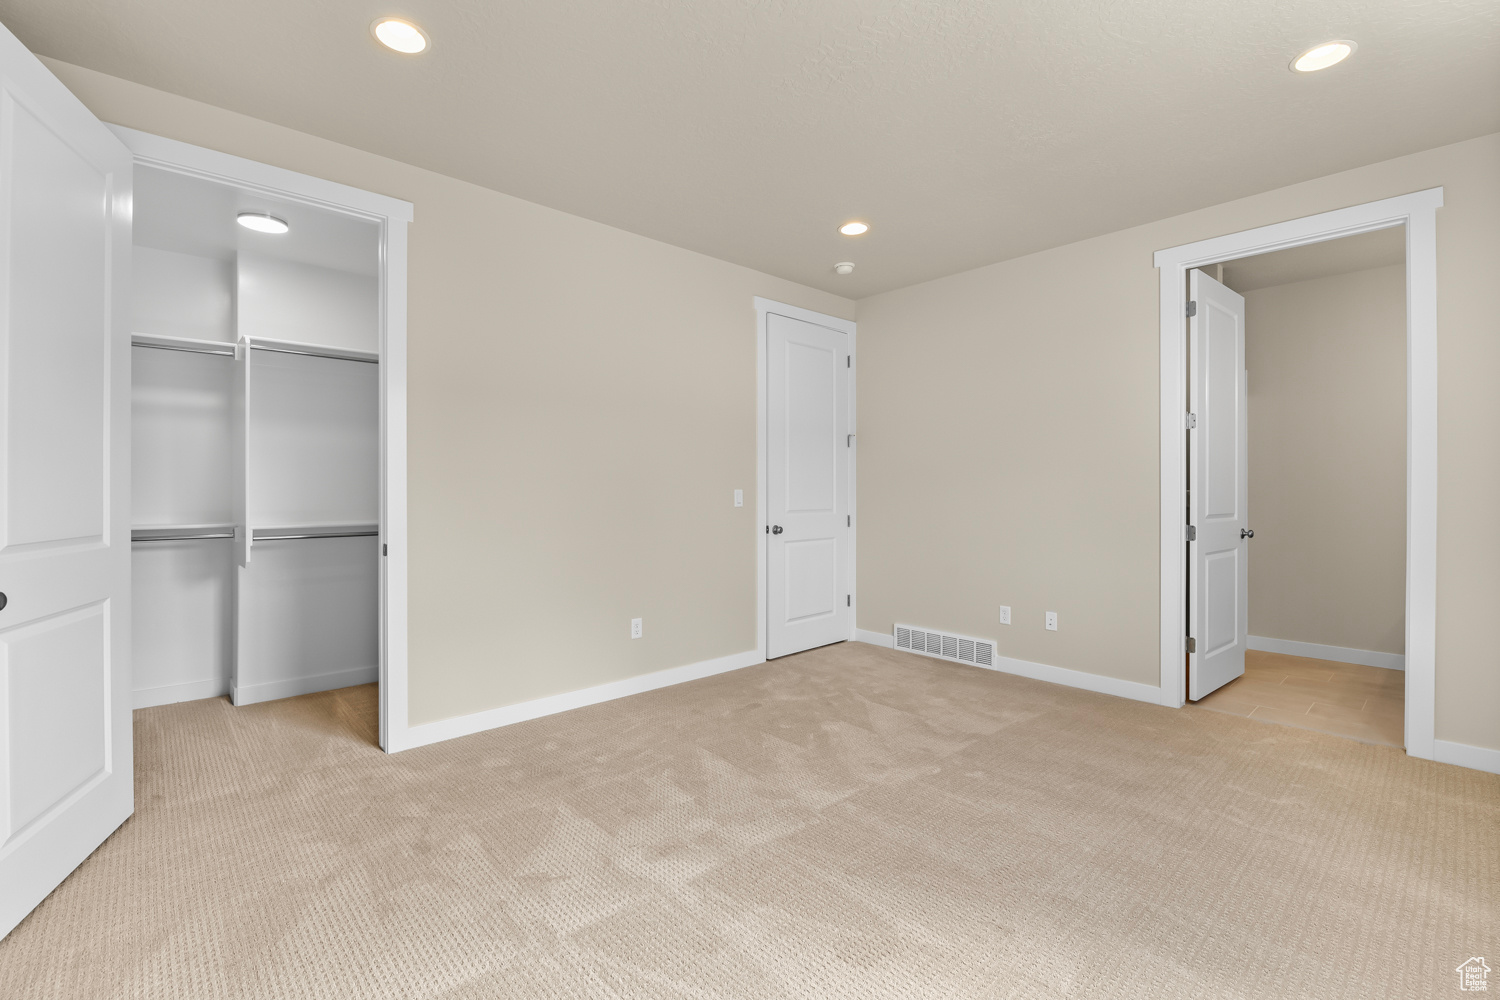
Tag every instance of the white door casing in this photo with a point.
(808, 448)
(65, 691)
(1219, 605)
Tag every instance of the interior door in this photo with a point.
(807, 482)
(1219, 600)
(65, 750)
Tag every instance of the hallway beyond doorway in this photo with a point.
(1342, 699)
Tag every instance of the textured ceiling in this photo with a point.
(1381, 248)
(964, 131)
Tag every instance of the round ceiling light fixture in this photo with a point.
(260, 222)
(844, 267)
(403, 36)
(1323, 56)
(854, 229)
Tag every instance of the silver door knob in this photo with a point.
(1247, 533)
(775, 529)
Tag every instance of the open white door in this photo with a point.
(65, 750)
(807, 485)
(1219, 599)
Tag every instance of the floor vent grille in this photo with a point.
(958, 648)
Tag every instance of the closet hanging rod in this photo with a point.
(330, 534)
(309, 350)
(182, 344)
(180, 538)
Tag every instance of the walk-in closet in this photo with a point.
(256, 443)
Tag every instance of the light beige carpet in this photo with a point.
(848, 823)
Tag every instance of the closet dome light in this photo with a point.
(262, 223)
(403, 36)
(1323, 56)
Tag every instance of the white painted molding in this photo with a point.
(249, 694)
(1478, 758)
(494, 718)
(1418, 213)
(1318, 651)
(168, 694)
(1134, 690)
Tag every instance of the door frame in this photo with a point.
(1418, 213)
(765, 308)
(391, 215)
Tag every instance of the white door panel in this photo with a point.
(807, 472)
(65, 743)
(1219, 593)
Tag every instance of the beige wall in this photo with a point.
(582, 407)
(1327, 374)
(1009, 450)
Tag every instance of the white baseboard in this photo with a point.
(1478, 758)
(170, 694)
(1134, 690)
(1343, 654)
(250, 694)
(494, 718)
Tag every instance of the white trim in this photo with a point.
(1134, 690)
(494, 718)
(392, 216)
(1418, 212)
(875, 638)
(1478, 758)
(249, 694)
(1318, 651)
(765, 307)
(168, 694)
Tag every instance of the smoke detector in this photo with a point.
(844, 267)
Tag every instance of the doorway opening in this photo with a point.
(1320, 444)
(1205, 605)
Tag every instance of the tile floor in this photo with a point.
(1344, 699)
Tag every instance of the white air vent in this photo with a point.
(958, 648)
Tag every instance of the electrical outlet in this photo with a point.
(739, 498)
(1004, 615)
(635, 628)
(1052, 621)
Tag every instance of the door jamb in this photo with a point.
(391, 215)
(763, 309)
(1418, 213)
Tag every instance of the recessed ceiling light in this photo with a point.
(262, 223)
(403, 36)
(844, 267)
(1323, 56)
(854, 228)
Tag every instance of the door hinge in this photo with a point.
(1192, 645)
(849, 361)
(1192, 309)
(1192, 533)
(1192, 421)
(385, 549)
(849, 441)
(848, 600)
(848, 520)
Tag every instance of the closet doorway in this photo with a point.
(267, 431)
(1206, 613)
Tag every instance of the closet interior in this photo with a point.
(256, 443)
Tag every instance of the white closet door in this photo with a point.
(807, 480)
(65, 691)
(1220, 595)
